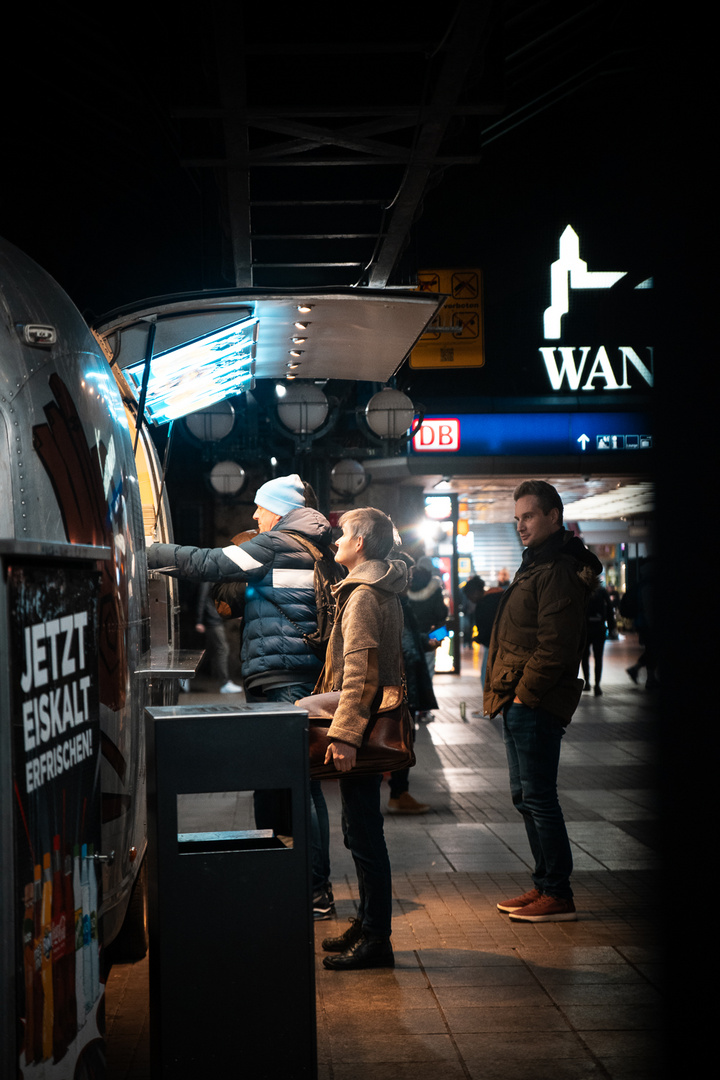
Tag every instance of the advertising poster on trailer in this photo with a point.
(57, 806)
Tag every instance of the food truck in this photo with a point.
(87, 640)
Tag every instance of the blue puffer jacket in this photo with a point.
(277, 568)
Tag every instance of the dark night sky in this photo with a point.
(93, 184)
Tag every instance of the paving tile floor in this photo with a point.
(474, 995)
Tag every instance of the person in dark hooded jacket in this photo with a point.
(532, 679)
(430, 610)
(277, 663)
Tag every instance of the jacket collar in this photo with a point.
(545, 552)
(562, 542)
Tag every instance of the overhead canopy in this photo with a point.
(357, 334)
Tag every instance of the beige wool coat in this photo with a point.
(365, 648)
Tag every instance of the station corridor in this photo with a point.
(474, 996)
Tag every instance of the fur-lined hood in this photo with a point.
(417, 596)
(565, 543)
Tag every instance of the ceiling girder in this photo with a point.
(458, 54)
(421, 129)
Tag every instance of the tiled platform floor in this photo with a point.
(474, 995)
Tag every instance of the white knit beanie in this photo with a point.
(281, 495)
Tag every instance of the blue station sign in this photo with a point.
(488, 434)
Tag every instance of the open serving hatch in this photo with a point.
(175, 355)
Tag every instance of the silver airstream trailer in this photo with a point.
(86, 640)
(76, 501)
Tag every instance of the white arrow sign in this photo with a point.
(584, 440)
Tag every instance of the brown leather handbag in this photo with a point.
(387, 743)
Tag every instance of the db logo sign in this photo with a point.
(438, 435)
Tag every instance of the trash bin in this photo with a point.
(232, 986)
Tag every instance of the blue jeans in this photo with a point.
(319, 820)
(532, 742)
(364, 836)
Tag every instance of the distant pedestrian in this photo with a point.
(420, 694)
(638, 604)
(430, 611)
(209, 623)
(485, 612)
(470, 592)
(599, 620)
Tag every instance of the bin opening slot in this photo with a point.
(234, 820)
(239, 840)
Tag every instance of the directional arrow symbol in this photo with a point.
(584, 440)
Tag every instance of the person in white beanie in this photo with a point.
(277, 662)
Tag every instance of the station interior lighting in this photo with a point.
(465, 544)
(296, 340)
(431, 534)
(389, 413)
(212, 423)
(438, 507)
(198, 373)
(302, 409)
(349, 478)
(227, 478)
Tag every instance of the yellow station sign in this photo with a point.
(455, 338)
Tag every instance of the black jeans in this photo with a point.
(363, 832)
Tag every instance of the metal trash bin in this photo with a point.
(232, 985)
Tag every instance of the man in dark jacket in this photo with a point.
(430, 610)
(535, 651)
(277, 663)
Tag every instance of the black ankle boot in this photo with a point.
(346, 940)
(365, 953)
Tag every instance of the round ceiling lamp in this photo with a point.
(348, 478)
(303, 409)
(227, 478)
(389, 413)
(213, 423)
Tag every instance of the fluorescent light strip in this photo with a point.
(198, 373)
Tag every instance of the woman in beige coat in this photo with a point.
(364, 656)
